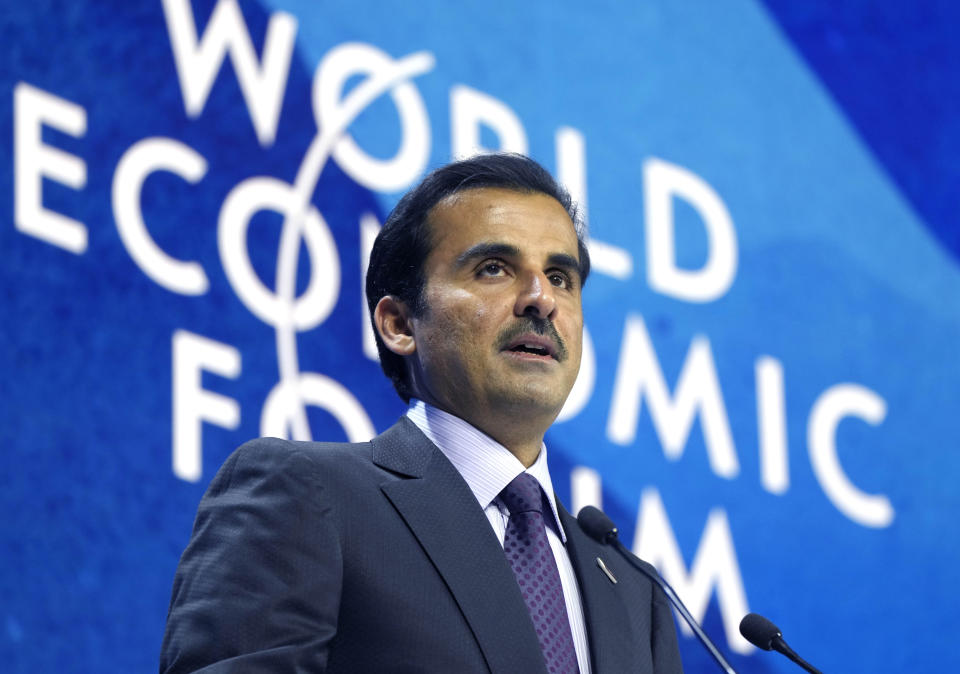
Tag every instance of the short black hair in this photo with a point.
(402, 246)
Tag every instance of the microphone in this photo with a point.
(764, 634)
(602, 529)
(597, 525)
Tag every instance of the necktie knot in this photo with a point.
(523, 495)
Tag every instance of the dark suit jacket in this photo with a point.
(376, 557)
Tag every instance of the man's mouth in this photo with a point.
(534, 345)
(534, 339)
(531, 348)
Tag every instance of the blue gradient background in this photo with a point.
(831, 134)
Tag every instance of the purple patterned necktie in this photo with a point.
(531, 558)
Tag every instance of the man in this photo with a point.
(389, 556)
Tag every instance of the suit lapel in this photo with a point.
(608, 624)
(446, 519)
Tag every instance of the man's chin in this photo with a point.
(545, 399)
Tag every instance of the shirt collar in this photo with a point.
(485, 464)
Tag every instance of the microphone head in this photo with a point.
(597, 525)
(759, 631)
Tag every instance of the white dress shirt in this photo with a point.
(488, 467)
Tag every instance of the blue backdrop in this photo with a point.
(768, 407)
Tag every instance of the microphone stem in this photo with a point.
(780, 646)
(675, 600)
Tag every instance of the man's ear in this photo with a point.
(392, 318)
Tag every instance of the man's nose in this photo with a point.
(536, 297)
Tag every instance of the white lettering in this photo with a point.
(698, 389)
(339, 65)
(834, 404)
(469, 109)
(323, 392)
(583, 386)
(585, 488)
(369, 228)
(313, 307)
(715, 565)
(772, 425)
(610, 260)
(142, 159)
(192, 354)
(34, 161)
(199, 60)
(661, 183)
(571, 150)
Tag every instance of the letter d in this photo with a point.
(662, 182)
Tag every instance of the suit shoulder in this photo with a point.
(650, 568)
(265, 458)
(279, 451)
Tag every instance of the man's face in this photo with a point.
(502, 330)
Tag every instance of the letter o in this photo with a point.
(383, 175)
(323, 392)
(310, 309)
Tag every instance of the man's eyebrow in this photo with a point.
(486, 249)
(564, 261)
(494, 249)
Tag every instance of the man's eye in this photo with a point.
(491, 269)
(559, 280)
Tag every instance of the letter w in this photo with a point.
(199, 60)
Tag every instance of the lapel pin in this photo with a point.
(606, 571)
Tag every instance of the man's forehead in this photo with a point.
(499, 214)
(494, 197)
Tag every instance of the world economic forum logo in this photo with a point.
(349, 79)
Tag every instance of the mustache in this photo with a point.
(538, 326)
